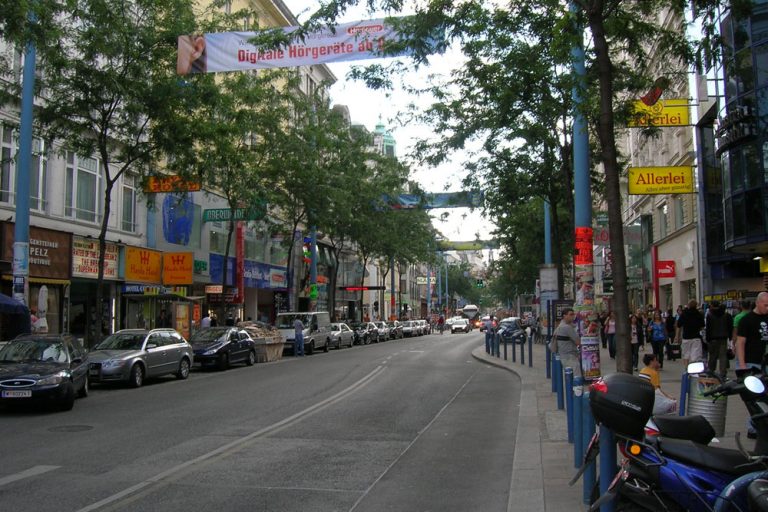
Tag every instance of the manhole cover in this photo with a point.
(71, 428)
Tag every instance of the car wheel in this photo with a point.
(183, 372)
(311, 348)
(83, 391)
(223, 362)
(251, 358)
(325, 347)
(136, 378)
(68, 401)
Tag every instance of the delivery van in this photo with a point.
(316, 326)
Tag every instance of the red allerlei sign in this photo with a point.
(665, 269)
(582, 246)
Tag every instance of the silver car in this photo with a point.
(340, 335)
(132, 355)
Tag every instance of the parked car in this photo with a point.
(133, 355)
(222, 346)
(426, 326)
(365, 332)
(43, 368)
(383, 329)
(485, 319)
(395, 329)
(315, 329)
(410, 328)
(511, 330)
(461, 325)
(340, 335)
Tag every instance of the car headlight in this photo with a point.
(213, 349)
(56, 378)
(112, 363)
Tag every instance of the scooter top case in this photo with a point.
(623, 403)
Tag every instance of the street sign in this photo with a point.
(224, 214)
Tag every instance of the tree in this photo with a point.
(109, 85)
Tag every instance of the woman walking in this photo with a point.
(610, 334)
(657, 330)
(636, 338)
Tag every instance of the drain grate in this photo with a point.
(71, 428)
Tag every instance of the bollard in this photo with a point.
(496, 344)
(505, 349)
(548, 364)
(569, 401)
(557, 376)
(588, 422)
(608, 467)
(685, 388)
(522, 352)
(514, 352)
(578, 448)
(530, 351)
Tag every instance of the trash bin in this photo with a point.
(712, 409)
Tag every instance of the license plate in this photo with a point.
(17, 394)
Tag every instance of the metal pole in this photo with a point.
(392, 310)
(548, 363)
(569, 402)
(313, 270)
(20, 264)
(685, 388)
(557, 376)
(530, 351)
(505, 349)
(588, 428)
(522, 352)
(578, 425)
(547, 234)
(607, 464)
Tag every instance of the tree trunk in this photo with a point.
(612, 192)
(222, 311)
(98, 328)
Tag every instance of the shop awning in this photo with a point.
(41, 280)
(163, 296)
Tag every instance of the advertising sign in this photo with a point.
(661, 180)
(155, 184)
(582, 246)
(662, 113)
(143, 265)
(48, 253)
(85, 259)
(233, 51)
(665, 268)
(178, 267)
(590, 357)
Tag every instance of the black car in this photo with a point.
(511, 330)
(222, 346)
(395, 330)
(43, 368)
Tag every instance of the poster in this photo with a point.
(590, 357)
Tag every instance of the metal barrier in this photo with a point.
(578, 424)
(557, 377)
(569, 402)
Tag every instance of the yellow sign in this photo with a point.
(142, 265)
(661, 113)
(177, 267)
(661, 180)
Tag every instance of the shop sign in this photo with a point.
(151, 290)
(85, 259)
(201, 267)
(214, 288)
(50, 252)
(143, 265)
(177, 267)
(582, 246)
(665, 269)
(277, 278)
(225, 214)
(662, 113)
(661, 180)
(155, 184)
(423, 280)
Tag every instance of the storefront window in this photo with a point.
(739, 226)
(725, 164)
(745, 70)
(759, 24)
(754, 212)
(728, 217)
(761, 61)
(737, 169)
(762, 109)
(752, 167)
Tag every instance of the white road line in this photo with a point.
(232, 446)
(33, 471)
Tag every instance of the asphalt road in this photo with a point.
(407, 425)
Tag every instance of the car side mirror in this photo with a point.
(151, 345)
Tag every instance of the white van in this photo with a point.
(316, 326)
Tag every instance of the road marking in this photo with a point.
(417, 351)
(33, 471)
(172, 474)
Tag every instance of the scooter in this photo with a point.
(660, 473)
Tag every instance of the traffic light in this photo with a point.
(479, 283)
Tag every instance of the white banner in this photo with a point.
(231, 51)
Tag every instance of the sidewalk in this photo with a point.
(544, 459)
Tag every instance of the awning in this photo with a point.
(162, 296)
(41, 280)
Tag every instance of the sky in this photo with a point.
(368, 107)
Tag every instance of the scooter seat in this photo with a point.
(695, 428)
(723, 460)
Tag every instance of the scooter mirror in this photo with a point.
(754, 384)
(697, 367)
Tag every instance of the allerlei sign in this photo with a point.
(661, 180)
(662, 113)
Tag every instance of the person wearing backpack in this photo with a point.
(719, 325)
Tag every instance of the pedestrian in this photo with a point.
(163, 320)
(33, 319)
(490, 334)
(205, 322)
(691, 322)
(636, 337)
(602, 319)
(746, 307)
(567, 343)
(657, 331)
(670, 323)
(298, 339)
(663, 403)
(719, 325)
(610, 334)
(751, 340)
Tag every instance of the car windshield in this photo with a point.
(460, 322)
(122, 341)
(286, 321)
(357, 325)
(335, 327)
(206, 335)
(32, 351)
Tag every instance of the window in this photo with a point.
(38, 199)
(129, 203)
(84, 188)
(6, 164)
(38, 176)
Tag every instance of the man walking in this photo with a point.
(690, 323)
(567, 342)
(490, 334)
(751, 339)
(298, 337)
(719, 327)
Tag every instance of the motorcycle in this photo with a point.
(664, 473)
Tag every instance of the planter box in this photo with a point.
(268, 350)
